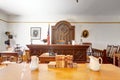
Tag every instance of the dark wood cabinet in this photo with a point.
(79, 52)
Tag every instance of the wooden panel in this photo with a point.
(63, 30)
(78, 51)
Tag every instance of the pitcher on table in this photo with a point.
(34, 64)
(95, 63)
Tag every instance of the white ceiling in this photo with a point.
(61, 7)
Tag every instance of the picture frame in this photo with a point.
(85, 33)
(35, 33)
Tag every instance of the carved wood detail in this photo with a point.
(63, 30)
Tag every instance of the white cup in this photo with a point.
(73, 42)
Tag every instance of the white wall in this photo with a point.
(3, 29)
(21, 32)
(3, 16)
(99, 34)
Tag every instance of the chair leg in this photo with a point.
(114, 60)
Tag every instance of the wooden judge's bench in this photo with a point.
(79, 52)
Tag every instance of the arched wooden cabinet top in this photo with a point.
(63, 31)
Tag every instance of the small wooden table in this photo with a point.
(45, 58)
(8, 54)
(82, 72)
(118, 57)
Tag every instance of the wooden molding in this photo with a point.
(70, 22)
(56, 22)
(3, 20)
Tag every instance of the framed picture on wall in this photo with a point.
(85, 33)
(35, 33)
